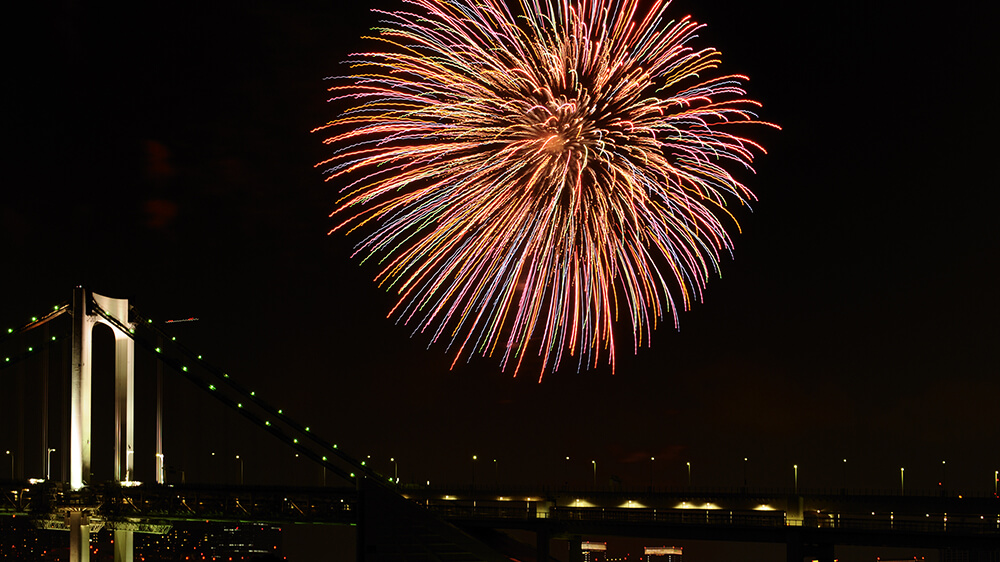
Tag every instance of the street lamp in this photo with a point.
(241, 469)
(902, 482)
(944, 475)
(651, 459)
(474, 458)
(496, 471)
(745, 460)
(595, 473)
(796, 468)
(395, 469)
(845, 474)
(48, 466)
(11, 455)
(689, 474)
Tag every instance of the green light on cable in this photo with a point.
(31, 349)
(34, 319)
(157, 350)
(239, 405)
(211, 387)
(184, 368)
(295, 440)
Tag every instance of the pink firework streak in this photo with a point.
(524, 179)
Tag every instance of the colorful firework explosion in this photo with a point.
(525, 179)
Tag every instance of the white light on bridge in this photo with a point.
(686, 505)
(763, 507)
(632, 504)
(664, 550)
(581, 503)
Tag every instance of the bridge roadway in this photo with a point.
(779, 516)
(809, 523)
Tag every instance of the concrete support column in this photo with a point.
(79, 536)
(542, 539)
(80, 392)
(123, 545)
(576, 549)
(124, 407)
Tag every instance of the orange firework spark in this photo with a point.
(523, 179)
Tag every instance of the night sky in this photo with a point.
(162, 153)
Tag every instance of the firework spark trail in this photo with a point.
(524, 178)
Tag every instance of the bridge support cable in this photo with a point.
(303, 431)
(243, 408)
(29, 352)
(35, 322)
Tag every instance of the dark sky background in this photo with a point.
(162, 153)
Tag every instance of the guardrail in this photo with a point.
(960, 525)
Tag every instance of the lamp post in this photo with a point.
(474, 458)
(845, 474)
(902, 482)
(996, 478)
(689, 474)
(944, 476)
(48, 464)
(795, 467)
(595, 472)
(241, 469)
(395, 470)
(496, 472)
(11, 455)
(745, 462)
(651, 460)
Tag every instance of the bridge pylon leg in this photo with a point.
(79, 536)
(123, 545)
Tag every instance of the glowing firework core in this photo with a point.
(525, 178)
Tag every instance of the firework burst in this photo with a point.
(525, 179)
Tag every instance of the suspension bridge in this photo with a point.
(393, 522)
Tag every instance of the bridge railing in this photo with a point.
(679, 491)
(962, 525)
